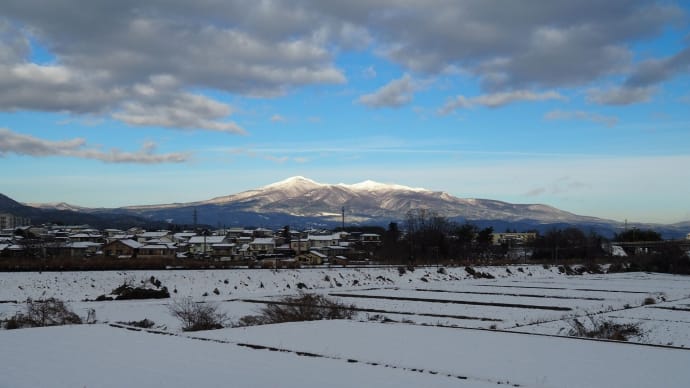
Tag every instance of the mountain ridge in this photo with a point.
(302, 197)
(302, 202)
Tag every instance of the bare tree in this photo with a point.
(197, 316)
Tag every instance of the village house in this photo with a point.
(79, 249)
(156, 235)
(157, 250)
(262, 246)
(262, 233)
(224, 251)
(312, 258)
(203, 245)
(183, 237)
(319, 241)
(86, 237)
(301, 245)
(370, 238)
(122, 248)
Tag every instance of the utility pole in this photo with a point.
(343, 218)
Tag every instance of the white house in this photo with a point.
(157, 235)
(263, 245)
(319, 241)
(204, 244)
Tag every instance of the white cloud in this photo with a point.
(609, 121)
(21, 144)
(396, 93)
(622, 95)
(496, 100)
(179, 110)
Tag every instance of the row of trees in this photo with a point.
(426, 237)
(429, 238)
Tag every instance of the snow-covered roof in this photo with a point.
(158, 241)
(85, 235)
(206, 239)
(156, 234)
(131, 243)
(318, 254)
(329, 237)
(223, 245)
(82, 245)
(184, 234)
(157, 246)
(264, 240)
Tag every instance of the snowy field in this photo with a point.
(429, 327)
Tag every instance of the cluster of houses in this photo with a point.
(310, 246)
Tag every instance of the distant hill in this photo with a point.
(48, 214)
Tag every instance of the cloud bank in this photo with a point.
(20, 144)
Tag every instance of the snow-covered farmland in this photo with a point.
(429, 327)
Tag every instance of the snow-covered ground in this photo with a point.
(448, 325)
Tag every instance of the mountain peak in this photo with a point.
(293, 182)
(369, 185)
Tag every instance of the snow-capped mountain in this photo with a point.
(57, 206)
(367, 201)
(301, 202)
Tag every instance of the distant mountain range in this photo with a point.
(301, 202)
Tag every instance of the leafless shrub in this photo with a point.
(305, 307)
(197, 316)
(39, 313)
(604, 329)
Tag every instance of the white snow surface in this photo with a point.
(102, 356)
(442, 321)
(480, 355)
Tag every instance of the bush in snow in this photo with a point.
(150, 289)
(197, 316)
(603, 329)
(49, 312)
(305, 307)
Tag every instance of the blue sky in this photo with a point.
(579, 105)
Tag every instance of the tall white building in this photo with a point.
(10, 221)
